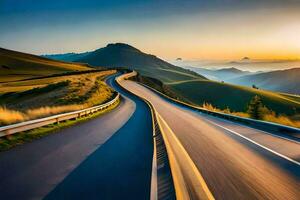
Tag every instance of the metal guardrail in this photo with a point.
(28, 125)
(263, 125)
(170, 156)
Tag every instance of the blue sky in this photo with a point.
(191, 29)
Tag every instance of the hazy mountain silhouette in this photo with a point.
(126, 56)
(220, 74)
(281, 80)
(68, 57)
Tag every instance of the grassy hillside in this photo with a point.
(17, 66)
(287, 81)
(67, 57)
(185, 84)
(222, 95)
(126, 56)
(29, 99)
(220, 74)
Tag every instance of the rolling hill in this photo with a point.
(287, 81)
(126, 56)
(223, 95)
(17, 66)
(188, 85)
(223, 74)
(67, 57)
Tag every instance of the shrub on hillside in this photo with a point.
(256, 109)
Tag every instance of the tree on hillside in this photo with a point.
(256, 109)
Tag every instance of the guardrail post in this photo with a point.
(7, 135)
(6, 131)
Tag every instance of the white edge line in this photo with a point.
(242, 125)
(266, 148)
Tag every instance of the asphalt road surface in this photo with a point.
(109, 157)
(237, 162)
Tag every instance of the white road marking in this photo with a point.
(266, 148)
(234, 123)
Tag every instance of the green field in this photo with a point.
(52, 91)
(125, 56)
(32, 87)
(169, 76)
(222, 95)
(17, 66)
(30, 99)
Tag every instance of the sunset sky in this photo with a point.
(208, 29)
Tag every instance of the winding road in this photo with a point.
(110, 157)
(237, 162)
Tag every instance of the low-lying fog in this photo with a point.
(252, 66)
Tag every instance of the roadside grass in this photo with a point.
(10, 116)
(236, 98)
(20, 86)
(281, 119)
(229, 99)
(270, 117)
(13, 140)
(57, 95)
(210, 107)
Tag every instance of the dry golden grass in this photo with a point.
(19, 86)
(11, 116)
(270, 117)
(82, 91)
(46, 111)
(282, 120)
(210, 107)
(8, 116)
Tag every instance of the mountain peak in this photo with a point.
(121, 46)
(231, 69)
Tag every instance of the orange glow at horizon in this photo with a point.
(272, 35)
(261, 33)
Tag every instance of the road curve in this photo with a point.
(237, 162)
(109, 157)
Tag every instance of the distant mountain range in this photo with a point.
(286, 81)
(183, 83)
(220, 74)
(126, 56)
(68, 57)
